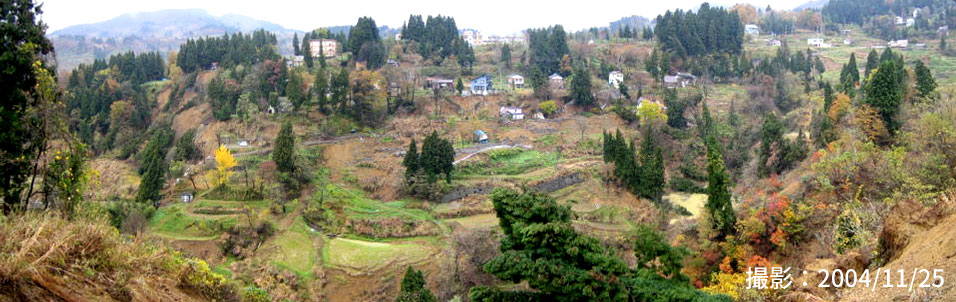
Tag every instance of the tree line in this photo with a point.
(437, 39)
(227, 51)
(709, 30)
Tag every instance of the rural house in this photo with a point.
(438, 82)
(752, 29)
(481, 137)
(556, 80)
(615, 78)
(481, 85)
(513, 113)
(516, 81)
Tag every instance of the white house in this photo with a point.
(752, 29)
(556, 80)
(900, 21)
(472, 37)
(899, 44)
(615, 78)
(516, 81)
(509, 112)
(817, 42)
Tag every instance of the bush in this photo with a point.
(253, 293)
(197, 276)
(130, 217)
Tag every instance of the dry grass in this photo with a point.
(47, 258)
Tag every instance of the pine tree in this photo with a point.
(154, 169)
(506, 55)
(581, 88)
(437, 157)
(294, 91)
(411, 161)
(340, 90)
(719, 204)
(321, 90)
(884, 93)
(651, 169)
(413, 288)
(322, 55)
(925, 83)
(186, 149)
(872, 62)
(307, 51)
(284, 152)
(850, 75)
(459, 86)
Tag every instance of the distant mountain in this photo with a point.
(812, 4)
(161, 31)
(635, 22)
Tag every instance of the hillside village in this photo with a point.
(657, 161)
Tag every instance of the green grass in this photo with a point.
(174, 222)
(358, 206)
(367, 256)
(512, 161)
(296, 249)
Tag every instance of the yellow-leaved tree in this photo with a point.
(219, 177)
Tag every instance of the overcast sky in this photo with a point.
(489, 16)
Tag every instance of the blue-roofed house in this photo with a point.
(481, 85)
(481, 137)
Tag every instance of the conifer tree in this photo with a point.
(154, 168)
(437, 157)
(506, 55)
(307, 52)
(322, 55)
(413, 288)
(459, 86)
(872, 62)
(884, 93)
(410, 162)
(651, 169)
(925, 83)
(719, 204)
(321, 90)
(284, 152)
(295, 44)
(581, 88)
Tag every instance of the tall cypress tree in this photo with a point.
(506, 55)
(154, 168)
(284, 152)
(410, 162)
(719, 204)
(872, 62)
(307, 51)
(651, 169)
(884, 93)
(581, 88)
(295, 44)
(321, 90)
(925, 83)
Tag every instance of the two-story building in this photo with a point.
(481, 85)
(328, 47)
(516, 81)
(615, 78)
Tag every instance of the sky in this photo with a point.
(488, 16)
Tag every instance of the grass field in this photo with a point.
(370, 256)
(514, 161)
(175, 222)
(295, 248)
